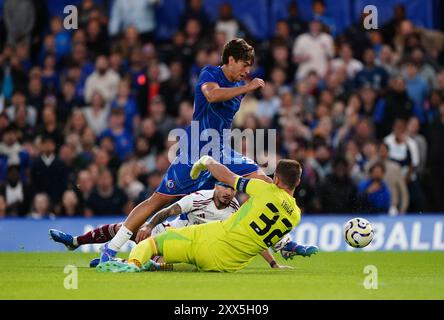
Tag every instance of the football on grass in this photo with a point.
(358, 232)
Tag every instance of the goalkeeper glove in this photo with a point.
(199, 166)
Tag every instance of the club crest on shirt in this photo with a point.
(170, 184)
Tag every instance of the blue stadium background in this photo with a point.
(266, 12)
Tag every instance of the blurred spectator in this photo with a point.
(19, 20)
(388, 60)
(413, 127)
(70, 205)
(88, 145)
(425, 70)
(123, 140)
(180, 50)
(394, 179)
(127, 180)
(228, 24)
(374, 194)
(321, 162)
(357, 36)
(85, 11)
(396, 104)
(25, 132)
(103, 80)
(148, 130)
(319, 8)
(295, 22)
(337, 193)
(313, 50)
(282, 35)
(50, 126)
(355, 160)
(108, 144)
(154, 179)
(41, 207)
(417, 89)
(19, 100)
(431, 40)
(163, 121)
(61, 37)
(76, 122)
(16, 193)
(193, 33)
(186, 110)
(269, 104)
(404, 151)
(96, 37)
(145, 154)
(390, 27)
(280, 58)
(195, 10)
(128, 104)
(376, 41)
(67, 155)
(372, 75)
(149, 89)
(48, 173)
(67, 101)
(97, 113)
(84, 187)
(106, 199)
(436, 161)
(346, 61)
(369, 100)
(175, 89)
(139, 13)
(36, 93)
(10, 146)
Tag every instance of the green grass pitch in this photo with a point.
(340, 275)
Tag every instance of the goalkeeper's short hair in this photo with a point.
(289, 172)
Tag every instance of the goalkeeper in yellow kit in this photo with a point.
(227, 246)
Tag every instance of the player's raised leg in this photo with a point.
(100, 234)
(133, 222)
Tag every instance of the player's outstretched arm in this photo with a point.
(219, 171)
(214, 93)
(268, 256)
(159, 217)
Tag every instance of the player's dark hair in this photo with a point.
(239, 49)
(289, 172)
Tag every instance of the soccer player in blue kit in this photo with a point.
(218, 96)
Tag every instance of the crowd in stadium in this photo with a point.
(85, 114)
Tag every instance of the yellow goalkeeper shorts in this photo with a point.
(200, 245)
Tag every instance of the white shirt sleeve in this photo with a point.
(186, 203)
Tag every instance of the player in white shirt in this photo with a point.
(196, 208)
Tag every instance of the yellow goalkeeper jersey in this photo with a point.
(260, 222)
